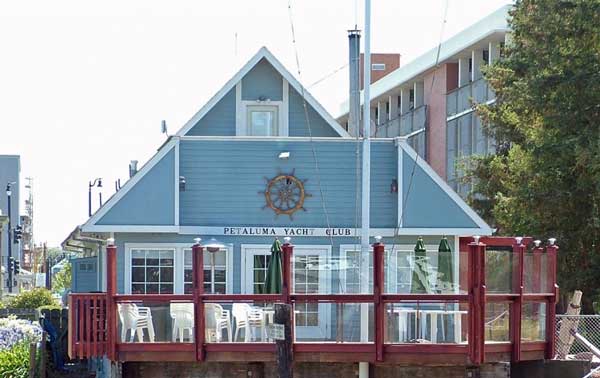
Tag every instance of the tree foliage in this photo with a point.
(545, 178)
(62, 280)
(32, 299)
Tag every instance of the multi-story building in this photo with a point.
(431, 99)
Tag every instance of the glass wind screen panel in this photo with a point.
(533, 321)
(238, 322)
(536, 274)
(333, 322)
(259, 272)
(352, 271)
(155, 322)
(500, 270)
(152, 271)
(215, 275)
(497, 322)
(307, 272)
(262, 120)
(427, 322)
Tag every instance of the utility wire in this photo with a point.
(412, 174)
(310, 136)
(328, 75)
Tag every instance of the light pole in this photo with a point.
(10, 241)
(213, 246)
(97, 183)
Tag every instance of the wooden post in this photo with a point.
(568, 326)
(378, 279)
(287, 284)
(111, 291)
(477, 301)
(551, 253)
(198, 274)
(32, 352)
(284, 356)
(43, 355)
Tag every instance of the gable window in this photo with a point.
(378, 66)
(262, 120)
(152, 271)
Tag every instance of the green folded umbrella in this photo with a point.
(274, 272)
(420, 274)
(445, 267)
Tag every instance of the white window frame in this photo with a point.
(282, 111)
(263, 107)
(178, 261)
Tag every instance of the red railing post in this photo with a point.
(111, 291)
(378, 280)
(198, 283)
(476, 281)
(517, 306)
(551, 252)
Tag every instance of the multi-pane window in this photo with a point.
(353, 272)
(215, 272)
(259, 272)
(152, 271)
(306, 281)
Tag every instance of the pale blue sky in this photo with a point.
(84, 85)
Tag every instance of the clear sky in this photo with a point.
(84, 85)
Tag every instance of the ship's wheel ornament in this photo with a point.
(285, 194)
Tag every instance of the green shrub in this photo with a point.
(49, 307)
(14, 362)
(33, 299)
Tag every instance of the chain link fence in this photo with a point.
(586, 325)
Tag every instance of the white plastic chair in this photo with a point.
(247, 317)
(135, 318)
(217, 319)
(183, 320)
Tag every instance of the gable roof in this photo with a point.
(454, 215)
(93, 224)
(263, 53)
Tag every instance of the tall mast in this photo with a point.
(363, 367)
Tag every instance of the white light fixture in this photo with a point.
(284, 155)
(197, 241)
(537, 243)
(552, 241)
(287, 240)
(378, 239)
(476, 239)
(110, 242)
(518, 239)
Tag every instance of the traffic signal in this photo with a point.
(11, 264)
(17, 234)
(17, 267)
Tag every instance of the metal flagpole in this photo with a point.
(363, 367)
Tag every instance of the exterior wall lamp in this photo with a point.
(182, 183)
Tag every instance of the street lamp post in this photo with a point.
(10, 241)
(213, 246)
(97, 183)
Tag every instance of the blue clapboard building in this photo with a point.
(263, 159)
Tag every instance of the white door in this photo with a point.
(310, 276)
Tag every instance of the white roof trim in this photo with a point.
(90, 224)
(266, 54)
(484, 228)
(495, 22)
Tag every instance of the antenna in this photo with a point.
(163, 127)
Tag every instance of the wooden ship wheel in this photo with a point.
(285, 194)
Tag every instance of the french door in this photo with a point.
(309, 276)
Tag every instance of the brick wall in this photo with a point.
(302, 370)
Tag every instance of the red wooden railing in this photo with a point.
(93, 321)
(87, 325)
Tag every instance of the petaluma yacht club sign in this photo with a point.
(286, 231)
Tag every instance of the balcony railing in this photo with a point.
(482, 309)
(462, 98)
